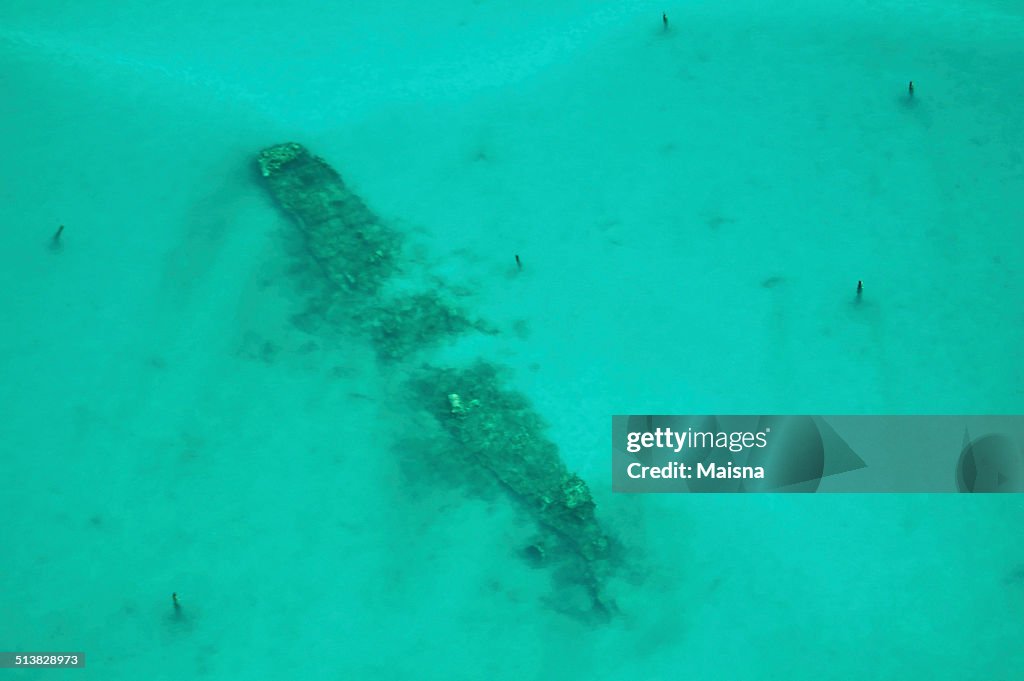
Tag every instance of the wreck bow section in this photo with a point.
(491, 429)
(356, 251)
(360, 256)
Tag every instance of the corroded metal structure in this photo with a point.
(492, 429)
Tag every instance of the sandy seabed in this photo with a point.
(692, 208)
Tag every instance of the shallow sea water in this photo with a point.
(693, 209)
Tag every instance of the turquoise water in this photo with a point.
(693, 209)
